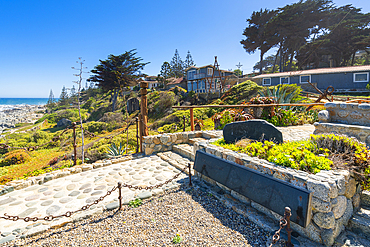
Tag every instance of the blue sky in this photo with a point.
(41, 40)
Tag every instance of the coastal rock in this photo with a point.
(64, 122)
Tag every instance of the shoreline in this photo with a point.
(10, 115)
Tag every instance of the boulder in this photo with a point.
(64, 122)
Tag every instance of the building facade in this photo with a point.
(206, 79)
(341, 78)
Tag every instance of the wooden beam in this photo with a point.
(192, 119)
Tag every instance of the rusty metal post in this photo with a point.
(137, 134)
(144, 107)
(306, 95)
(143, 117)
(74, 144)
(189, 165)
(332, 98)
(183, 117)
(287, 215)
(120, 195)
(192, 119)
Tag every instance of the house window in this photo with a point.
(305, 78)
(209, 71)
(266, 81)
(284, 80)
(361, 77)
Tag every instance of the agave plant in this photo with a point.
(114, 151)
(280, 95)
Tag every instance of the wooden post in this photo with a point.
(192, 119)
(332, 98)
(144, 113)
(74, 144)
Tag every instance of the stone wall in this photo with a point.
(165, 142)
(336, 194)
(349, 119)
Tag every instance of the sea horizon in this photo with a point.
(23, 101)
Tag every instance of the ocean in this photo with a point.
(23, 101)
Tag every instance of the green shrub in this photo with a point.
(239, 93)
(96, 127)
(15, 157)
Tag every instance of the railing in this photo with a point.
(191, 108)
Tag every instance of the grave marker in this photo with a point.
(270, 192)
(256, 129)
(133, 105)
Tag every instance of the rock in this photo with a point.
(327, 236)
(324, 220)
(164, 139)
(112, 205)
(341, 206)
(253, 129)
(347, 213)
(52, 210)
(324, 116)
(320, 190)
(145, 195)
(64, 123)
(365, 198)
(320, 206)
(350, 188)
(356, 201)
(341, 185)
(7, 239)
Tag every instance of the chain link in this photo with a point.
(87, 206)
(276, 237)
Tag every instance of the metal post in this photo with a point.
(192, 119)
(74, 144)
(137, 134)
(287, 215)
(120, 195)
(184, 122)
(144, 107)
(189, 165)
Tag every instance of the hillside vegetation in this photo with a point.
(103, 128)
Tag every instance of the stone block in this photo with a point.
(324, 116)
(340, 207)
(156, 140)
(356, 201)
(350, 188)
(320, 206)
(365, 198)
(347, 214)
(320, 190)
(341, 185)
(324, 220)
(327, 236)
(164, 139)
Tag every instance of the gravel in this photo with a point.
(197, 217)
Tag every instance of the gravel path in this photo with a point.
(198, 218)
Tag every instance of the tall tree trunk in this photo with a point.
(114, 100)
(277, 53)
(353, 58)
(261, 58)
(290, 62)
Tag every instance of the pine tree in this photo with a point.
(51, 99)
(188, 61)
(177, 65)
(73, 91)
(63, 96)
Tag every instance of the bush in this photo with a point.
(239, 93)
(15, 157)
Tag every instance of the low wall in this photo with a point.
(336, 194)
(165, 142)
(349, 119)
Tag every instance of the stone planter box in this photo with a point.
(349, 119)
(336, 194)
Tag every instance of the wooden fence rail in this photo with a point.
(192, 107)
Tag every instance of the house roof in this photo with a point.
(205, 66)
(174, 80)
(317, 71)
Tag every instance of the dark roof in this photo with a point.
(317, 71)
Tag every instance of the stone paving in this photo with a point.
(70, 193)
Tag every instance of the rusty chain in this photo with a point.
(66, 214)
(155, 186)
(283, 222)
(87, 206)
